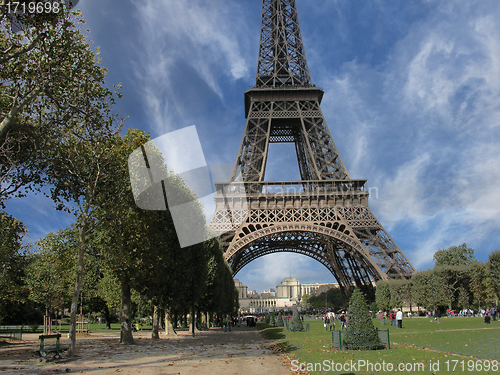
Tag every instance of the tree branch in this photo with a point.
(6, 56)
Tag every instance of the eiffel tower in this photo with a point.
(325, 215)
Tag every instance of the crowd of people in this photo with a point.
(395, 318)
(330, 317)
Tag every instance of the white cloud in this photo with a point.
(423, 128)
(196, 34)
(403, 195)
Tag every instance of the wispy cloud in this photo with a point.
(423, 127)
(204, 37)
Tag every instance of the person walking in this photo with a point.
(342, 321)
(399, 319)
(392, 318)
(332, 322)
(382, 318)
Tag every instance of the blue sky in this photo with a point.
(412, 100)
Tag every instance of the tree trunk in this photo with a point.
(175, 319)
(125, 316)
(156, 322)
(169, 330)
(76, 290)
(193, 319)
(107, 317)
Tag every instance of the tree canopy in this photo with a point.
(454, 256)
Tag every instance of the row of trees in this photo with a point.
(59, 136)
(457, 281)
(332, 298)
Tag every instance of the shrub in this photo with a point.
(280, 320)
(361, 333)
(267, 318)
(272, 320)
(296, 322)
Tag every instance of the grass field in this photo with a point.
(465, 345)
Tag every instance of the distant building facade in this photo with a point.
(286, 295)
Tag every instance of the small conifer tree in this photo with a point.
(272, 320)
(296, 321)
(361, 333)
(280, 320)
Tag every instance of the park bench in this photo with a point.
(43, 351)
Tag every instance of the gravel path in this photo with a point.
(242, 351)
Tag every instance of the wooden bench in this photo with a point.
(43, 351)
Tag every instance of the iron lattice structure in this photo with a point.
(325, 215)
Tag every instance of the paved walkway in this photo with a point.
(242, 351)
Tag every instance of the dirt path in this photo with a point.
(242, 351)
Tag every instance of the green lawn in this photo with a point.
(462, 344)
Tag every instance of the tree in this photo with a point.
(76, 162)
(218, 271)
(13, 261)
(44, 73)
(51, 272)
(54, 268)
(333, 296)
(454, 256)
(494, 271)
(296, 322)
(53, 90)
(279, 321)
(141, 247)
(453, 278)
(361, 333)
(383, 296)
(272, 319)
(420, 288)
(395, 287)
(463, 298)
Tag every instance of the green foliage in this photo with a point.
(296, 322)
(361, 333)
(400, 291)
(51, 90)
(383, 296)
(217, 298)
(478, 274)
(279, 321)
(267, 319)
(454, 256)
(494, 271)
(109, 289)
(333, 297)
(53, 269)
(272, 319)
(13, 261)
